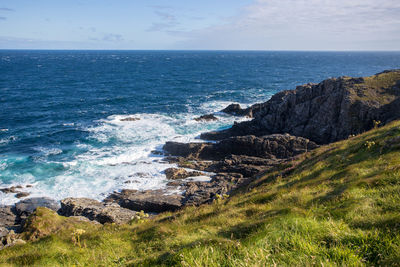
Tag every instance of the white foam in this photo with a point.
(48, 151)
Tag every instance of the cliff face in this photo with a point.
(325, 112)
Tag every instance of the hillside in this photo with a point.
(336, 205)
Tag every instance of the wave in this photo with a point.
(118, 154)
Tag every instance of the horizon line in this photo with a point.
(192, 50)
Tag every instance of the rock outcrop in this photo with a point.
(175, 173)
(148, 201)
(325, 112)
(95, 210)
(26, 207)
(271, 146)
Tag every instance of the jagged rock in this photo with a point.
(3, 231)
(246, 166)
(130, 119)
(95, 210)
(148, 201)
(326, 112)
(26, 207)
(208, 117)
(174, 173)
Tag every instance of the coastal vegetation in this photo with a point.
(337, 205)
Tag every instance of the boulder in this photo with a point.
(208, 117)
(26, 207)
(148, 201)
(95, 210)
(237, 110)
(174, 173)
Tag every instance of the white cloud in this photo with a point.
(306, 24)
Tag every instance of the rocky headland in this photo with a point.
(289, 124)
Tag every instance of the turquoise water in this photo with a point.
(61, 111)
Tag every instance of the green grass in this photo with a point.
(378, 88)
(339, 206)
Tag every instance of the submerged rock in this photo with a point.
(11, 190)
(130, 119)
(22, 194)
(95, 210)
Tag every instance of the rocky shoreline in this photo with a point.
(289, 124)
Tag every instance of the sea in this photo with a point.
(62, 127)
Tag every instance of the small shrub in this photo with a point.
(76, 237)
(369, 144)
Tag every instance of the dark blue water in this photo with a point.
(61, 111)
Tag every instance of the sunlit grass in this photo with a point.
(339, 207)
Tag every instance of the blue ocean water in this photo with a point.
(61, 112)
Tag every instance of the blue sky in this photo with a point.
(206, 24)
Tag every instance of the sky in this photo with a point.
(200, 25)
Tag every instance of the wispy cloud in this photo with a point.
(109, 37)
(3, 18)
(6, 9)
(167, 20)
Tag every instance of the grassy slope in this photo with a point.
(339, 206)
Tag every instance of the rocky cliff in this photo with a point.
(326, 112)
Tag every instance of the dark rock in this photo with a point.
(208, 117)
(22, 194)
(188, 150)
(148, 201)
(130, 119)
(326, 112)
(271, 146)
(245, 166)
(95, 210)
(26, 207)
(11, 190)
(237, 110)
(156, 152)
(174, 173)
